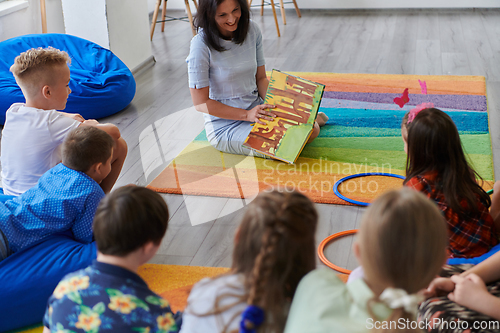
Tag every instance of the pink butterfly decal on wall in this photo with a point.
(423, 87)
(401, 101)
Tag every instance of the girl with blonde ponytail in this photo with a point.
(274, 248)
(401, 246)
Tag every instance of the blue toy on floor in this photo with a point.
(101, 83)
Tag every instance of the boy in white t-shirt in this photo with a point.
(34, 131)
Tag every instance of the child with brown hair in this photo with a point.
(109, 295)
(34, 131)
(64, 199)
(401, 246)
(436, 166)
(274, 248)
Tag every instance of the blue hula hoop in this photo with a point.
(360, 203)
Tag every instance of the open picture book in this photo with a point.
(297, 102)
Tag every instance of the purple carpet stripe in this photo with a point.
(461, 102)
(348, 104)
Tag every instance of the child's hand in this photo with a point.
(470, 291)
(91, 122)
(74, 116)
(440, 286)
(496, 187)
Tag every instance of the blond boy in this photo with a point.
(34, 131)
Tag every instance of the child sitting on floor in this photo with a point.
(109, 295)
(274, 248)
(65, 197)
(436, 166)
(465, 298)
(401, 246)
(34, 131)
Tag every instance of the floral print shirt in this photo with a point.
(108, 298)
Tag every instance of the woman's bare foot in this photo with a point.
(321, 119)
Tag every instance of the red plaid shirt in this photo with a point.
(467, 238)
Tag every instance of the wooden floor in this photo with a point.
(455, 42)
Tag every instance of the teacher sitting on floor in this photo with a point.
(227, 74)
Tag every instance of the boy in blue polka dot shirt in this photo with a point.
(65, 197)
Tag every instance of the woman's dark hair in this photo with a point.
(434, 146)
(128, 218)
(205, 19)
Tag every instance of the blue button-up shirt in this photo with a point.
(62, 200)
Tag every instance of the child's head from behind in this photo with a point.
(275, 248)
(434, 146)
(434, 143)
(88, 149)
(129, 218)
(402, 241)
(43, 75)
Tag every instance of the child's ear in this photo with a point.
(237, 236)
(94, 172)
(46, 92)
(356, 251)
(149, 250)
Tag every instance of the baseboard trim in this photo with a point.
(139, 69)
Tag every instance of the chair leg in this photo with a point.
(282, 10)
(275, 18)
(155, 16)
(262, 8)
(195, 4)
(190, 16)
(249, 3)
(164, 15)
(297, 8)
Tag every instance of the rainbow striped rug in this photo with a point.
(362, 135)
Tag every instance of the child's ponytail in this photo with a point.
(279, 229)
(404, 315)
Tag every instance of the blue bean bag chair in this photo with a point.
(475, 261)
(28, 278)
(101, 84)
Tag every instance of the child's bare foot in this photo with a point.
(321, 119)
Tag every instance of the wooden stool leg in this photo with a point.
(275, 18)
(44, 16)
(155, 16)
(164, 15)
(297, 8)
(195, 4)
(262, 8)
(190, 16)
(249, 3)
(282, 9)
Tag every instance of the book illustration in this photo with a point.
(297, 102)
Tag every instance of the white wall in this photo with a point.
(120, 25)
(28, 20)
(87, 19)
(129, 37)
(371, 4)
